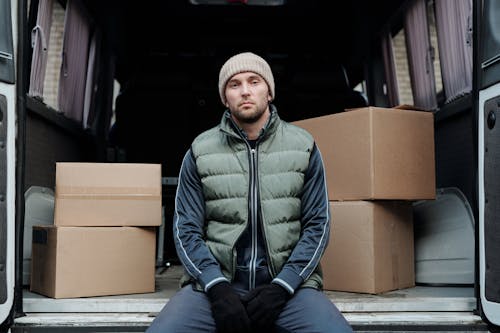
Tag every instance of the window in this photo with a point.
(116, 92)
(431, 18)
(416, 57)
(361, 87)
(66, 56)
(453, 22)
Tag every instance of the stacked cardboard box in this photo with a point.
(377, 160)
(103, 239)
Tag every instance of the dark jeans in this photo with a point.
(308, 311)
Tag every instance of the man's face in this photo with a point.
(247, 97)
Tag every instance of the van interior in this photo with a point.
(155, 80)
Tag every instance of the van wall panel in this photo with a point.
(47, 144)
(492, 202)
(455, 153)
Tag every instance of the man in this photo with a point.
(251, 219)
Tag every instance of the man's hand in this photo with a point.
(227, 309)
(264, 305)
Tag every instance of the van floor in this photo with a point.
(420, 298)
(439, 304)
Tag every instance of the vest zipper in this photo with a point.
(242, 138)
(256, 215)
(253, 212)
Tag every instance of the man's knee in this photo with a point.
(311, 311)
(187, 311)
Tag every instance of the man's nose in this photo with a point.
(245, 89)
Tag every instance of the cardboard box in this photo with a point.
(92, 261)
(107, 194)
(370, 248)
(376, 153)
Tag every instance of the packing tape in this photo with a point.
(107, 190)
(108, 196)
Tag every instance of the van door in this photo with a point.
(489, 157)
(8, 30)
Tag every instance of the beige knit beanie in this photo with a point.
(245, 62)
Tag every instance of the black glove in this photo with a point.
(227, 309)
(264, 305)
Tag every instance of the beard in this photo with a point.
(249, 115)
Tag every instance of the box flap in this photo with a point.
(108, 180)
(108, 194)
(409, 107)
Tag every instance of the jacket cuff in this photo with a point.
(288, 280)
(211, 277)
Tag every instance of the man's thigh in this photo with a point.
(310, 310)
(188, 311)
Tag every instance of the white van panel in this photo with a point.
(9, 91)
(491, 309)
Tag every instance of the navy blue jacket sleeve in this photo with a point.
(315, 227)
(188, 224)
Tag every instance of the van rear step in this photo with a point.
(416, 322)
(361, 322)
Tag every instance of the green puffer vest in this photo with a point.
(223, 160)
